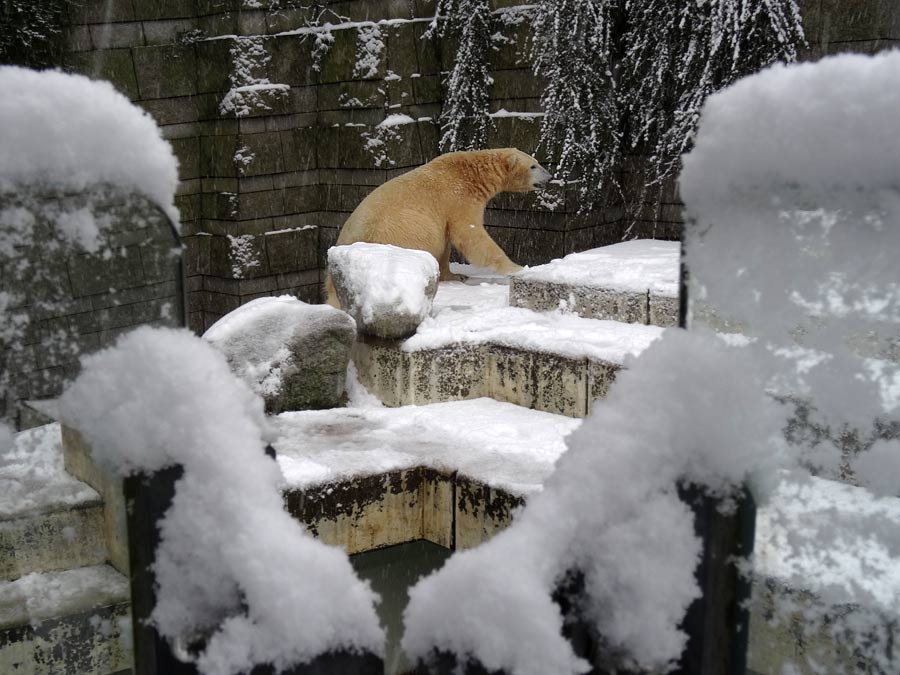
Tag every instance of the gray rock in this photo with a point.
(387, 290)
(293, 354)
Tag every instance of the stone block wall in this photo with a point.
(275, 125)
(71, 301)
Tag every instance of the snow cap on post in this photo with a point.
(67, 131)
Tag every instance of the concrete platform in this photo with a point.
(449, 473)
(48, 520)
(633, 282)
(474, 345)
(73, 621)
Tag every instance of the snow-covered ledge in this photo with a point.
(634, 282)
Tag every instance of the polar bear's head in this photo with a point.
(524, 174)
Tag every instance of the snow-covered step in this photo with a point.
(48, 520)
(70, 622)
(634, 282)
(474, 345)
(450, 473)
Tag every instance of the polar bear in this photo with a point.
(442, 203)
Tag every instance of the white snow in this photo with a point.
(690, 406)
(499, 444)
(799, 237)
(256, 337)
(380, 276)
(464, 314)
(637, 266)
(840, 134)
(793, 198)
(66, 131)
(46, 595)
(836, 540)
(32, 476)
(503, 112)
(396, 120)
(229, 555)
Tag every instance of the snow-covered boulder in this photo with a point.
(388, 290)
(292, 354)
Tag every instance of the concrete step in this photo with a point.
(562, 376)
(75, 622)
(48, 520)
(633, 282)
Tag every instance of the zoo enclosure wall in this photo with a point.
(273, 124)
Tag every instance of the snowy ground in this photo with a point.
(477, 312)
(500, 444)
(32, 476)
(635, 266)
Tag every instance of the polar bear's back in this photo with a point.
(408, 211)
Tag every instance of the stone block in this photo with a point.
(536, 380)
(122, 271)
(528, 247)
(78, 39)
(166, 71)
(579, 240)
(318, 339)
(153, 10)
(514, 84)
(266, 152)
(179, 110)
(95, 640)
(339, 63)
(292, 250)
(784, 639)
(114, 65)
(376, 511)
(454, 373)
(663, 310)
(401, 55)
(217, 155)
(221, 25)
(480, 512)
(214, 66)
(427, 89)
(388, 311)
(592, 303)
(117, 35)
(303, 199)
(292, 61)
(58, 539)
(384, 370)
(100, 11)
(289, 18)
(299, 148)
(260, 204)
(858, 20)
(252, 22)
(80, 463)
(168, 31)
(601, 375)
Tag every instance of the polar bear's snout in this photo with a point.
(539, 176)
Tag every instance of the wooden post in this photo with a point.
(148, 499)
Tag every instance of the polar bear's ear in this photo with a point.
(511, 161)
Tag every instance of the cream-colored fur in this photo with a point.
(442, 203)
